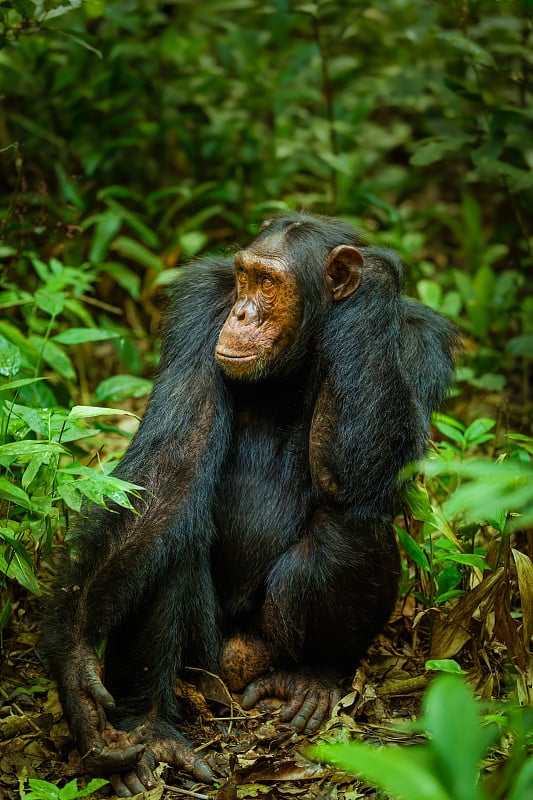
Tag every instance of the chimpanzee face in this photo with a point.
(265, 319)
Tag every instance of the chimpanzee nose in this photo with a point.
(245, 312)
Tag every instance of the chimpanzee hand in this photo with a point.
(85, 701)
(311, 697)
(172, 748)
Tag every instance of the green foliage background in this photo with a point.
(136, 135)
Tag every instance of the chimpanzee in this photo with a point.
(295, 383)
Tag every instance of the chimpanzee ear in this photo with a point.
(343, 271)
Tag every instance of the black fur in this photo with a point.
(232, 520)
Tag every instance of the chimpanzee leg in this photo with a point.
(143, 659)
(327, 598)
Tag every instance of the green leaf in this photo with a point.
(451, 718)
(12, 493)
(27, 448)
(43, 790)
(70, 493)
(404, 773)
(449, 431)
(51, 303)
(55, 357)
(192, 242)
(26, 8)
(9, 358)
(412, 549)
(430, 292)
(429, 153)
(418, 501)
(81, 335)
(521, 345)
(522, 786)
(84, 412)
(469, 559)
(21, 382)
(137, 252)
(477, 428)
(18, 565)
(119, 387)
(92, 786)
(107, 227)
(467, 46)
(445, 665)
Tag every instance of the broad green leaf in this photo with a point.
(43, 790)
(444, 665)
(84, 412)
(137, 252)
(467, 45)
(477, 428)
(71, 495)
(521, 345)
(469, 559)
(522, 785)
(430, 292)
(55, 357)
(405, 773)
(192, 242)
(17, 564)
(418, 501)
(51, 303)
(13, 335)
(452, 719)
(81, 335)
(9, 491)
(412, 548)
(9, 358)
(92, 786)
(449, 431)
(119, 387)
(107, 226)
(26, 8)
(29, 447)
(18, 383)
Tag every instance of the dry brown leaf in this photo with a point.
(452, 631)
(524, 569)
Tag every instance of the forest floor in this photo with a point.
(252, 753)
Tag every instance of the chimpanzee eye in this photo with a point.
(241, 277)
(266, 282)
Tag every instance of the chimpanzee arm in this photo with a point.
(118, 555)
(387, 364)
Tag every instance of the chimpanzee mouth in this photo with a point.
(226, 357)
(235, 356)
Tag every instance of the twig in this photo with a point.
(186, 792)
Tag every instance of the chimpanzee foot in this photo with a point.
(174, 750)
(311, 697)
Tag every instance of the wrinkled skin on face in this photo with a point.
(266, 318)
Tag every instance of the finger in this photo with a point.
(300, 719)
(119, 787)
(145, 769)
(182, 755)
(319, 715)
(96, 688)
(114, 759)
(132, 781)
(264, 687)
(202, 771)
(290, 709)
